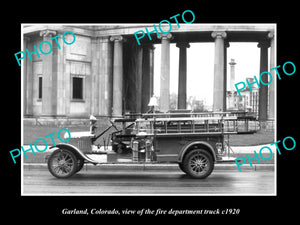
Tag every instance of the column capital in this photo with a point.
(182, 45)
(48, 33)
(263, 44)
(271, 35)
(167, 36)
(226, 44)
(219, 34)
(117, 38)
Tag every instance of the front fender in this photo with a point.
(75, 150)
(207, 146)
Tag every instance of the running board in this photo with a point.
(226, 159)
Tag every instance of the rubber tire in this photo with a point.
(187, 163)
(181, 167)
(73, 158)
(80, 163)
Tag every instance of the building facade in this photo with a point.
(249, 99)
(83, 78)
(107, 74)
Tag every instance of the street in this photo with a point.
(154, 182)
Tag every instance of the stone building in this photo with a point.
(249, 99)
(106, 73)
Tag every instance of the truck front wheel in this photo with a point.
(62, 163)
(198, 163)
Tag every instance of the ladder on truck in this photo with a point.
(200, 123)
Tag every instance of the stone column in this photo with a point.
(182, 75)
(164, 102)
(232, 75)
(138, 78)
(105, 76)
(95, 84)
(263, 91)
(219, 73)
(24, 76)
(117, 108)
(147, 76)
(27, 80)
(271, 115)
(49, 91)
(151, 72)
(226, 45)
(59, 63)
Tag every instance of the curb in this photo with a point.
(152, 167)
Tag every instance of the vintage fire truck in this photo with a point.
(194, 141)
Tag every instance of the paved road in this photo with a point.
(148, 182)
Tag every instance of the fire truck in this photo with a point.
(194, 141)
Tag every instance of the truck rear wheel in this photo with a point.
(198, 163)
(62, 163)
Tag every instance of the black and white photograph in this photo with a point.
(145, 109)
(159, 112)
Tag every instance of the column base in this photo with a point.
(116, 116)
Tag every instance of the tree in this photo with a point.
(195, 104)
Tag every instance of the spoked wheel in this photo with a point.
(198, 163)
(62, 163)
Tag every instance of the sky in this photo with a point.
(200, 67)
